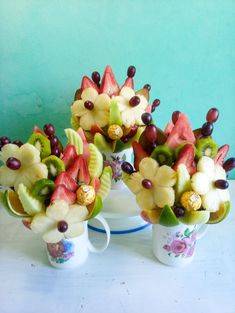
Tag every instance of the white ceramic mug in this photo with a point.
(175, 246)
(73, 252)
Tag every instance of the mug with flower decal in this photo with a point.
(175, 246)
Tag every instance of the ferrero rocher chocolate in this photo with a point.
(115, 132)
(85, 195)
(191, 201)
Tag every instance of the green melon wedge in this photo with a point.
(195, 217)
(115, 115)
(101, 143)
(95, 165)
(221, 214)
(167, 217)
(105, 183)
(183, 182)
(94, 208)
(31, 205)
(74, 139)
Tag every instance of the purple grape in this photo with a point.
(131, 71)
(134, 101)
(18, 143)
(62, 226)
(147, 86)
(127, 167)
(207, 129)
(89, 105)
(146, 118)
(49, 129)
(4, 141)
(96, 77)
(54, 141)
(221, 184)
(151, 133)
(147, 184)
(175, 116)
(156, 103)
(179, 211)
(55, 151)
(124, 139)
(212, 115)
(229, 164)
(13, 163)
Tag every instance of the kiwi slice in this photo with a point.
(163, 155)
(41, 143)
(206, 147)
(54, 165)
(42, 189)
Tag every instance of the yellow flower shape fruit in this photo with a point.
(60, 221)
(203, 182)
(91, 109)
(131, 115)
(30, 170)
(152, 185)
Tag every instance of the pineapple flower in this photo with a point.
(60, 221)
(27, 165)
(152, 185)
(91, 109)
(203, 182)
(131, 115)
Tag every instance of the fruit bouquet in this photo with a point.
(180, 174)
(53, 190)
(109, 115)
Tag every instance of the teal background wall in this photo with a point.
(183, 48)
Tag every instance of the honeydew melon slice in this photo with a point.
(95, 165)
(105, 182)
(74, 139)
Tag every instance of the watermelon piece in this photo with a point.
(186, 157)
(129, 83)
(168, 129)
(181, 132)
(63, 193)
(37, 130)
(86, 152)
(96, 129)
(69, 155)
(79, 170)
(139, 154)
(65, 179)
(87, 83)
(95, 183)
(109, 84)
(221, 155)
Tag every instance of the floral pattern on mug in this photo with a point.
(60, 252)
(181, 244)
(115, 162)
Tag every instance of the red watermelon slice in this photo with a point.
(181, 132)
(221, 155)
(169, 127)
(139, 154)
(87, 83)
(109, 84)
(129, 83)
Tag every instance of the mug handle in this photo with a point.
(201, 230)
(91, 247)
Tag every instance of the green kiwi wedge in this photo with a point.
(163, 155)
(43, 189)
(55, 166)
(41, 143)
(206, 147)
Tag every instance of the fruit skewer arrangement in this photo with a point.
(111, 115)
(53, 190)
(180, 174)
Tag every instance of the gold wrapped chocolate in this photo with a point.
(85, 195)
(115, 132)
(191, 201)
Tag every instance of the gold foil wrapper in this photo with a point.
(115, 132)
(85, 195)
(191, 201)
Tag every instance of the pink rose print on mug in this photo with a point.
(181, 244)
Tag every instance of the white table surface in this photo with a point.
(125, 278)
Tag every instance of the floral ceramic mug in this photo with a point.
(73, 252)
(175, 246)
